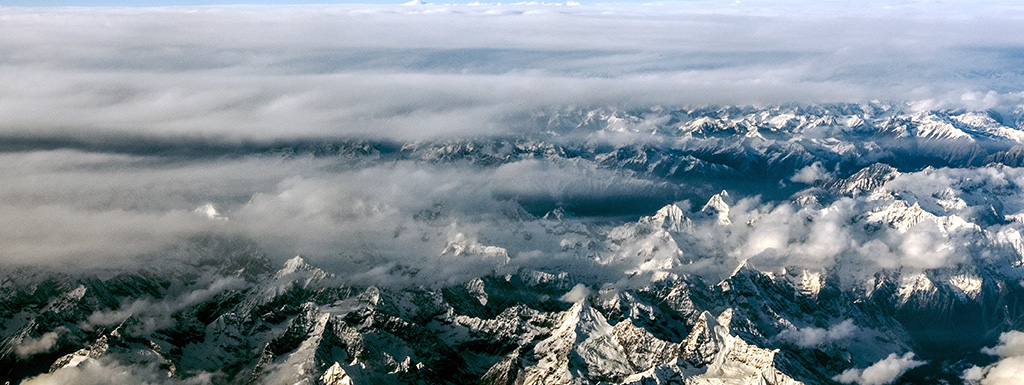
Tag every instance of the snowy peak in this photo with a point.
(643, 349)
(298, 265)
(804, 281)
(296, 270)
(745, 279)
(702, 126)
(968, 284)
(915, 285)
(583, 334)
(671, 218)
(930, 126)
(1011, 239)
(336, 375)
(902, 217)
(718, 207)
(648, 245)
(294, 277)
(461, 245)
(704, 342)
(867, 179)
(723, 357)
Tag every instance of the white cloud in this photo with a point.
(210, 82)
(1011, 344)
(43, 344)
(218, 79)
(811, 174)
(882, 372)
(811, 336)
(153, 314)
(342, 70)
(925, 247)
(578, 293)
(1009, 370)
(101, 372)
(64, 207)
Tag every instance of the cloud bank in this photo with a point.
(97, 372)
(428, 145)
(882, 372)
(312, 71)
(43, 344)
(810, 337)
(119, 123)
(1009, 370)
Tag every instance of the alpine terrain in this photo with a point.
(863, 243)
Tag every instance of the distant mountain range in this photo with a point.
(849, 243)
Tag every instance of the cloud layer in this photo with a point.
(119, 123)
(1009, 370)
(402, 146)
(272, 72)
(810, 337)
(98, 372)
(882, 372)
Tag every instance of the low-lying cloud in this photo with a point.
(152, 314)
(103, 371)
(811, 174)
(1009, 370)
(361, 214)
(811, 336)
(882, 372)
(42, 344)
(118, 124)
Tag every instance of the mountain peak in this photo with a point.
(742, 268)
(671, 218)
(867, 179)
(297, 264)
(915, 285)
(210, 211)
(294, 264)
(718, 206)
(582, 341)
(806, 282)
(336, 375)
(460, 245)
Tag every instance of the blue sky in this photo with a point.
(152, 3)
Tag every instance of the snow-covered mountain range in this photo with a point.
(851, 243)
